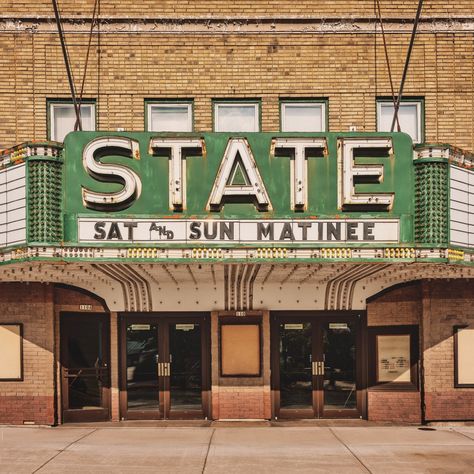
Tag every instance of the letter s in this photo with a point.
(111, 173)
(195, 230)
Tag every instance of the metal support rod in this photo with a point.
(67, 64)
(387, 59)
(77, 124)
(407, 63)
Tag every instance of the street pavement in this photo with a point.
(233, 448)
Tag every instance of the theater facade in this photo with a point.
(223, 276)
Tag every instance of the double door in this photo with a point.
(165, 366)
(316, 366)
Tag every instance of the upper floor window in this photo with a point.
(303, 116)
(409, 116)
(62, 118)
(236, 117)
(169, 116)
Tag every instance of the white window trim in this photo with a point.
(303, 104)
(53, 105)
(417, 103)
(188, 105)
(255, 105)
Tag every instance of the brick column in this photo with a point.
(241, 397)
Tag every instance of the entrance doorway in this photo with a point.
(316, 365)
(85, 375)
(165, 366)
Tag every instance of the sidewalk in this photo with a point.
(236, 449)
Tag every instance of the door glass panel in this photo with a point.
(84, 364)
(339, 346)
(296, 382)
(142, 369)
(186, 366)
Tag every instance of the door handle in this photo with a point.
(164, 369)
(318, 368)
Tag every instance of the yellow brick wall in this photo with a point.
(251, 8)
(31, 400)
(348, 69)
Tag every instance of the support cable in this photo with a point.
(67, 63)
(98, 59)
(387, 60)
(76, 125)
(407, 63)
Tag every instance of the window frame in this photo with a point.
(413, 332)
(257, 103)
(420, 113)
(323, 102)
(51, 103)
(189, 103)
(456, 356)
(241, 321)
(22, 372)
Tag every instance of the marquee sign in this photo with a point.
(238, 189)
(244, 231)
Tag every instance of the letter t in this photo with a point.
(177, 150)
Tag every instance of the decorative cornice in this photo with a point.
(450, 153)
(238, 25)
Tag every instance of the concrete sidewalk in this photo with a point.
(246, 449)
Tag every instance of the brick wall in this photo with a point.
(31, 400)
(439, 305)
(348, 69)
(398, 306)
(447, 304)
(241, 402)
(37, 307)
(396, 407)
(210, 8)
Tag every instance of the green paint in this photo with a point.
(275, 171)
(432, 201)
(44, 200)
(238, 177)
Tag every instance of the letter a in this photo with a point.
(238, 178)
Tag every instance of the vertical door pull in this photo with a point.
(318, 368)
(164, 369)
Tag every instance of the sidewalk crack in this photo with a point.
(350, 450)
(208, 449)
(64, 449)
